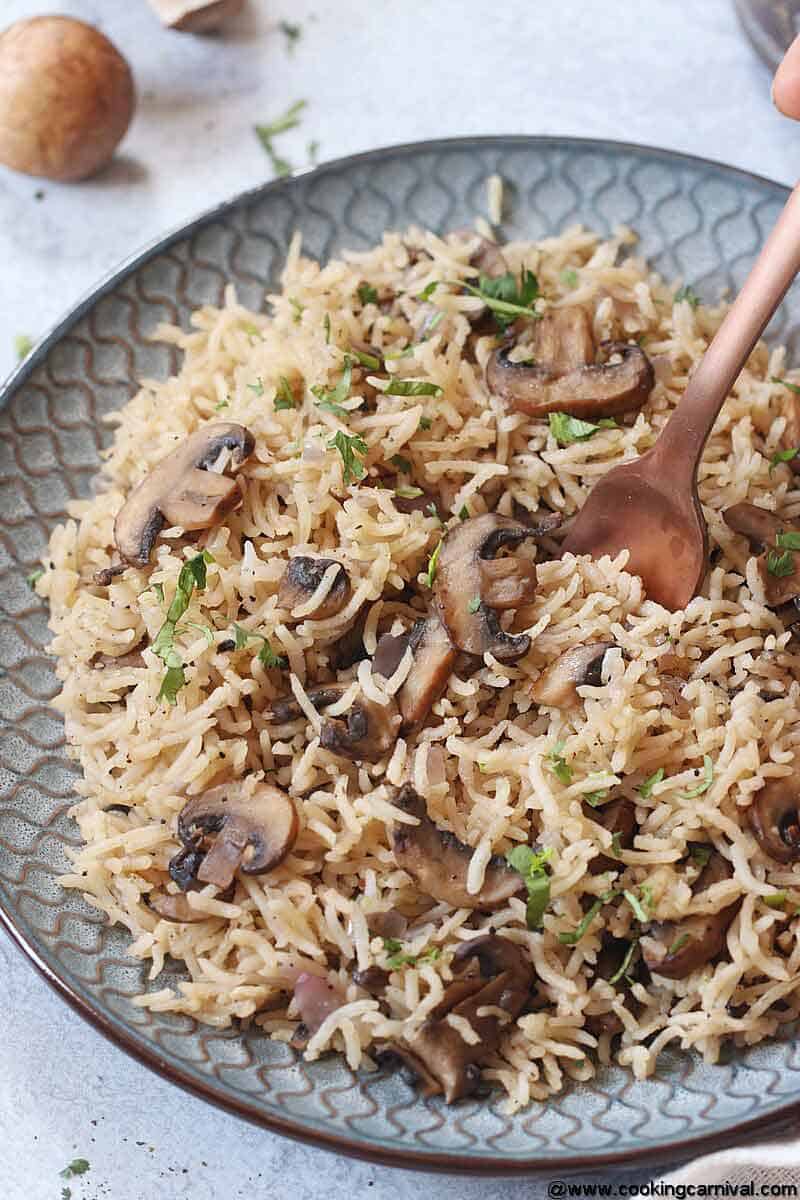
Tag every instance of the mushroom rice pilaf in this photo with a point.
(385, 771)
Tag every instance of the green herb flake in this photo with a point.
(352, 448)
(789, 540)
(559, 766)
(700, 855)
(401, 463)
(78, 1166)
(474, 604)
(595, 799)
(332, 400)
(218, 407)
(66, 1193)
(775, 900)
(326, 325)
(569, 278)
(266, 654)
(463, 513)
(292, 33)
(430, 574)
(566, 429)
(506, 297)
(792, 387)
(532, 866)
(174, 679)
(646, 787)
(708, 779)
(297, 309)
(570, 939)
(624, 966)
(251, 330)
(34, 578)
(408, 493)
(257, 387)
(428, 291)
(780, 564)
(192, 575)
(783, 456)
(370, 361)
(636, 905)
(398, 957)
(22, 345)
(284, 397)
(412, 387)
(678, 944)
(616, 845)
(686, 295)
(425, 423)
(367, 294)
(266, 132)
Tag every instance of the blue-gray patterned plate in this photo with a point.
(698, 220)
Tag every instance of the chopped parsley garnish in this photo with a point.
(78, 1166)
(326, 325)
(158, 588)
(624, 966)
(506, 297)
(398, 957)
(265, 134)
(646, 786)
(425, 423)
(566, 429)
(688, 295)
(432, 511)
(775, 900)
(192, 575)
(569, 278)
(463, 513)
(700, 854)
(432, 563)
(266, 654)
(22, 346)
(428, 291)
(474, 604)
(678, 944)
(34, 578)
(352, 448)
(412, 387)
(367, 294)
(251, 330)
(297, 309)
(616, 845)
(792, 387)
(370, 361)
(559, 766)
(66, 1193)
(408, 493)
(257, 387)
(595, 799)
(708, 779)
(333, 399)
(780, 564)
(218, 407)
(783, 456)
(789, 540)
(291, 32)
(570, 939)
(284, 397)
(636, 905)
(401, 463)
(532, 866)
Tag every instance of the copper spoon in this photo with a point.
(650, 506)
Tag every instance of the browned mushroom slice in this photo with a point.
(564, 377)
(777, 565)
(439, 861)
(367, 730)
(459, 596)
(389, 653)
(505, 982)
(372, 979)
(434, 659)
(287, 708)
(557, 686)
(775, 819)
(131, 658)
(251, 829)
(105, 575)
(488, 258)
(183, 490)
(409, 499)
(177, 908)
(681, 947)
(618, 816)
(790, 438)
(300, 581)
(390, 1053)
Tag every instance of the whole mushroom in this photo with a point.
(66, 98)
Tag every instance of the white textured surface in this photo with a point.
(673, 73)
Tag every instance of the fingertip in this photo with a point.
(786, 84)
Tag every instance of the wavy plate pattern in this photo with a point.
(697, 220)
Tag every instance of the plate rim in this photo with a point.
(123, 1035)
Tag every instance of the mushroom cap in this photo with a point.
(439, 861)
(775, 819)
(434, 660)
(366, 731)
(697, 938)
(557, 686)
(182, 490)
(618, 816)
(255, 828)
(460, 582)
(302, 578)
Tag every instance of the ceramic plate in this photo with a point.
(697, 220)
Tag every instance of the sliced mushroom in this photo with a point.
(390, 1053)
(389, 653)
(488, 259)
(171, 907)
(775, 819)
(131, 658)
(564, 377)
(183, 490)
(303, 577)
(557, 686)
(439, 861)
(505, 982)
(790, 438)
(461, 587)
(777, 566)
(684, 946)
(366, 731)
(105, 575)
(252, 829)
(415, 499)
(434, 660)
(372, 979)
(618, 816)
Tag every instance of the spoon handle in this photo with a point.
(687, 430)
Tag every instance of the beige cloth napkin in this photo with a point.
(763, 1163)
